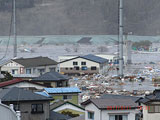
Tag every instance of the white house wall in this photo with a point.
(68, 106)
(79, 60)
(150, 116)
(104, 114)
(25, 85)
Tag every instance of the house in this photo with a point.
(36, 65)
(7, 113)
(67, 94)
(61, 106)
(31, 105)
(20, 83)
(52, 79)
(111, 108)
(88, 64)
(151, 105)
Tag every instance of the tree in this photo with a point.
(7, 76)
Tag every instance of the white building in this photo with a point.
(112, 108)
(88, 64)
(37, 65)
(151, 106)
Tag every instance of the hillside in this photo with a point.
(76, 17)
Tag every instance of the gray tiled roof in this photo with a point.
(95, 58)
(58, 116)
(51, 76)
(109, 96)
(82, 117)
(155, 96)
(35, 62)
(19, 94)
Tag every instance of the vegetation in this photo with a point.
(7, 76)
(70, 114)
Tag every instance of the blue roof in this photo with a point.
(62, 90)
(95, 58)
(43, 93)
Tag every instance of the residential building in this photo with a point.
(111, 108)
(36, 65)
(151, 106)
(67, 94)
(88, 64)
(61, 106)
(20, 83)
(31, 105)
(52, 79)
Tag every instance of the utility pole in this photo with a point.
(14, 29)
(121, 38)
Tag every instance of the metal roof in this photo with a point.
(43, 93)
(95, 58)
(62, 90)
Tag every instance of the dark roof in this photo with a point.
(18, 94)
(15, 81)
(114, 101)
(35, 62)
(82, 117)
(91, 58)
(57, 116)
(155, 96)
(59, 103)
(95, 58)
(51, 76)
(111, 96)
(85, 40)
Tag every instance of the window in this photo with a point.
(16, 107)
(14, 71)
(41, 71)
(84, 68)
(118, 117)
(91, 115)
(67, 97)
(75, 63)
(83, 63)
(93, 68)
(71, 68)
(77, 68)
(52, 69)
(59, 84)
(154, 109)
(66, 68)
(28, 71)
(37, 108)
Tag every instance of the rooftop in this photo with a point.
(51, 76)
(62, 90)
(35, 62)
(18, 94)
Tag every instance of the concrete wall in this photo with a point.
(26, 107)
(6, 113)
